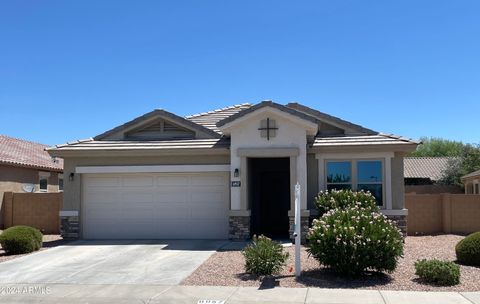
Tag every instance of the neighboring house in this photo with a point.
(422, 175)
(228, 173)
(472, 182)
(26, 167)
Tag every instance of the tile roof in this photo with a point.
(110, 145)
(473, 174)
(18, 152)
(266, 103)
(425, 167)
(210, 119)
(379, 139)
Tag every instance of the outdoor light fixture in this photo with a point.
(71, 176)
(236, 173)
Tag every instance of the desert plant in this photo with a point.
(468, 250)
(264, 256)
(355, 239)
(329, 200)
(438, 272)
(21, 239)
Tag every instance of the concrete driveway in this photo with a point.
(111, 262)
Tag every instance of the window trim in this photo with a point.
(354, 178)
(43, 175)
(60, 177)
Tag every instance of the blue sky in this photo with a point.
(73, 69)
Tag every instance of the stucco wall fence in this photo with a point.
(442, 213)
(39, 210)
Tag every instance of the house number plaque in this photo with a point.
(236, 183)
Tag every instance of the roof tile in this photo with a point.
(18, 152)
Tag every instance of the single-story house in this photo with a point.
(26, 167)
(423, 174)
(227, 173)
(472, 182)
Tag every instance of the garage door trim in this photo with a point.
(153, 169)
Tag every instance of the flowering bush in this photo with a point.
(329, 200)
(264, 256)
(355, 239)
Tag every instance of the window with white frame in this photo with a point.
(60, 182)
(43, 181)
(356, 175)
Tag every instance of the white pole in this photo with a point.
(297, 231)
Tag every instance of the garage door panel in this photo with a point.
(133, 197)
(165, 206)
(177, 196)
(212, 180)
(102, 182)
(173, 211)
(137, 181)
(172, 180)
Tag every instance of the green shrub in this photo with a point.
(468, 250)
(21, 239)
(329, 200)
(438, 272)
(264, 256)
(353, 240)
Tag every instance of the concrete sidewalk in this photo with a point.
(73, 294)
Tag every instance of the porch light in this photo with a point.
(71, 176)
(236, 173)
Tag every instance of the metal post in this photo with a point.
(297, 230)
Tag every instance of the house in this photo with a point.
(26, 167)
(227, 173)
(471, 182)
(423, 174)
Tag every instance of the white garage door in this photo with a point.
(155, 206)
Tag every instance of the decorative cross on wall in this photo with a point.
(268, 128)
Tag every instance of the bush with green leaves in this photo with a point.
(333, 199)
(468, 250)
(21, 239)
(355, 239)
(438, 272)
(264, 256)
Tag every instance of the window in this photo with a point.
(43, 180)
(339, 175)
(60, 182)
(364, 175)
(476, 189)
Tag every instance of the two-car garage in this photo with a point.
(155, 205)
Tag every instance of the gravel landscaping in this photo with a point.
(225, 268)
(49, 241)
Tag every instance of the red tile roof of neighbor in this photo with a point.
(22, 153)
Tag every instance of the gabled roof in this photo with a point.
(209, 119)
(158, 113)
(263, 104)
(473, 174)
(330, 119)
(426, 167)
(22, 153)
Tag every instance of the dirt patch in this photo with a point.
(49, 241)
(225, 268)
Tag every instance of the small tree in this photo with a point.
(468, 161)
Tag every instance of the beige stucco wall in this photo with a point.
(312, 180)
(291, 133)
(12, 178)
(398, 185)
(72, 189)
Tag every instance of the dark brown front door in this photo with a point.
(269, 187)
